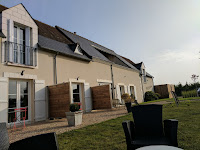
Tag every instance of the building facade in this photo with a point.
(35, 55)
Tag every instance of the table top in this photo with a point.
(159, 147)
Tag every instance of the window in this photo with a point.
(78, 50)
(76, 93)
(17, 98)
(144, 75)
(122, 91)
(18, 47)
(132, 91)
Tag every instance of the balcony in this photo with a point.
(20, 54)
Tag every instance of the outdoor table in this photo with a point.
(159, 147)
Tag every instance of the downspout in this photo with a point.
(113, 93)
(55, 69)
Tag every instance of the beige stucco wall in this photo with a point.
(148, 85)
(127, 77)
(44, 71)
(69, 68)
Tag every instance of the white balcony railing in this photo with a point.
(20, 54)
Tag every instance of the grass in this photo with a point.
(172, 100)
(109, 135)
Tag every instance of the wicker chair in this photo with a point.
(4, 139)
(39, 142)
(147, 128)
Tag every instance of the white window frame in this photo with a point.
(80, 92)
(135, 91)
(18, 39)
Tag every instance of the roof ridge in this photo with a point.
(84, 38)
(4, 6)
(44, 23)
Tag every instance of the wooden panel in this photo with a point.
(164, 90)
(59, 100)
(101, 96)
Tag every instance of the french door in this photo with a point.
(18, 97)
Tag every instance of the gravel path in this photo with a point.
(61, 125)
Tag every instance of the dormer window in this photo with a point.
(78, 50)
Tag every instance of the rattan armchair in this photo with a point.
(147, 128)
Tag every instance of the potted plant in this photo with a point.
(74, 117)
(127, 99)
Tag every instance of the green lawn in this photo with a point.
(172, 100)
(109, 134)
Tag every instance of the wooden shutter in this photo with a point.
(135, 92)
(27, 42)
(88, 98)
(128, 90)
(10, 39)
(3, 99)
(118, 93)
(40, 100)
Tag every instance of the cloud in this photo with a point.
(178, 55)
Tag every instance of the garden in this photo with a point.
(110, 135)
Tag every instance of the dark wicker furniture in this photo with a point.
(147, 128)
(46, 141)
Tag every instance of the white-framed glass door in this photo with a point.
(18, 97)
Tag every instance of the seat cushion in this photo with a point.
(145, 141)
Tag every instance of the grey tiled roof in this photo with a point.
(91, 47)
(56, 46)
(85, 44)
(138, 66)
(126, 62)
(148, 75)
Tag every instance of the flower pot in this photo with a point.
(128, 106)
(74, 118)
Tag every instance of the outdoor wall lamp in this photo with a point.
(22, 73)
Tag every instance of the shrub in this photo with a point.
(150, 96)
(74, 107)
(158, 95)
(126, 97)
(192, 93)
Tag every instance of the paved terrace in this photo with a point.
(60, 125)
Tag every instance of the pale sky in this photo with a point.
(164, 34)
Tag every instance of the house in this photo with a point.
(146, 78)
(35, 56)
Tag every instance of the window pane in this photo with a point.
(12, 101)
(11, 115)
(12, 87)
(15, 34)
(122, 90)
(132, 91)
(76, 88)
(24, 100)
(22, 114)
(22, 36)
(24, 87)
(76, 97)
